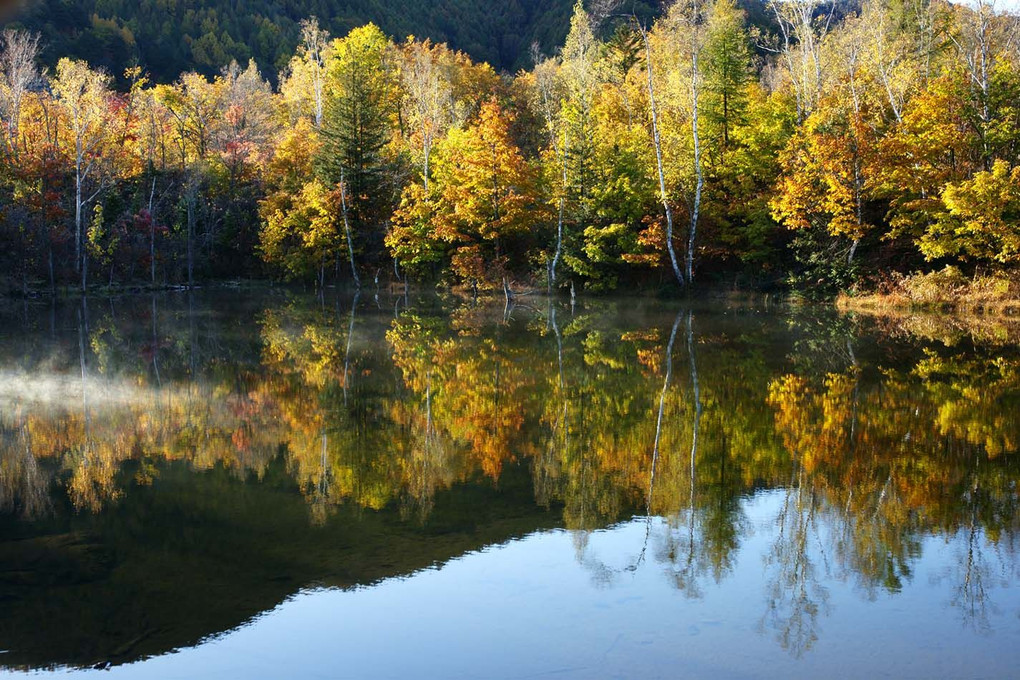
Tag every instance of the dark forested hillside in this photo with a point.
(168, 37)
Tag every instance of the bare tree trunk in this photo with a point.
(192, 189)
(77, 216)
(427, 152)
(559, 247)
(152, 236)
(191, 241)
(347, 229)
(318, 93)
(350, 336)
(859, 198)
(698, 173)
(559, 221)
(84, 269)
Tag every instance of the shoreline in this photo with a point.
(946, 324)
(944, 291)
(891, 304)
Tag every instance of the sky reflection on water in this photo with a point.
(539, 606)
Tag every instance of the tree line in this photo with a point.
(833, 149)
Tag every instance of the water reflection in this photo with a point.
(442, 425)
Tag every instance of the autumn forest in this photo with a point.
(824, 147)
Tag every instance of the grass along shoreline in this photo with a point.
(946, 290)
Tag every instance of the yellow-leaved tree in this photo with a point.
(983, 219)
(486, 196)
(300, 218)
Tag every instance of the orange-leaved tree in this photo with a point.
(486, 196)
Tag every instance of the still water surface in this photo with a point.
(271, 485)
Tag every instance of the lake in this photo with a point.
(270, 484)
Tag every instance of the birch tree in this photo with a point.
(82, 95)
(982, 37)
(653, 108)
(314, 45)
(18, 71)
(303, 82)
(679, 38)
(688, 18)
(548, 95)
(802, 26)
(429, 98)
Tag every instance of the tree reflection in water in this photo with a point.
(870, 450)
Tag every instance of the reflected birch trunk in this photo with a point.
(546, 470)
(347, 231)
(795, 595)
(696, 386)
(91, 481)
(430, 461)
(155, 346)
(347, 351)
(658, 436)
(662, 408)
